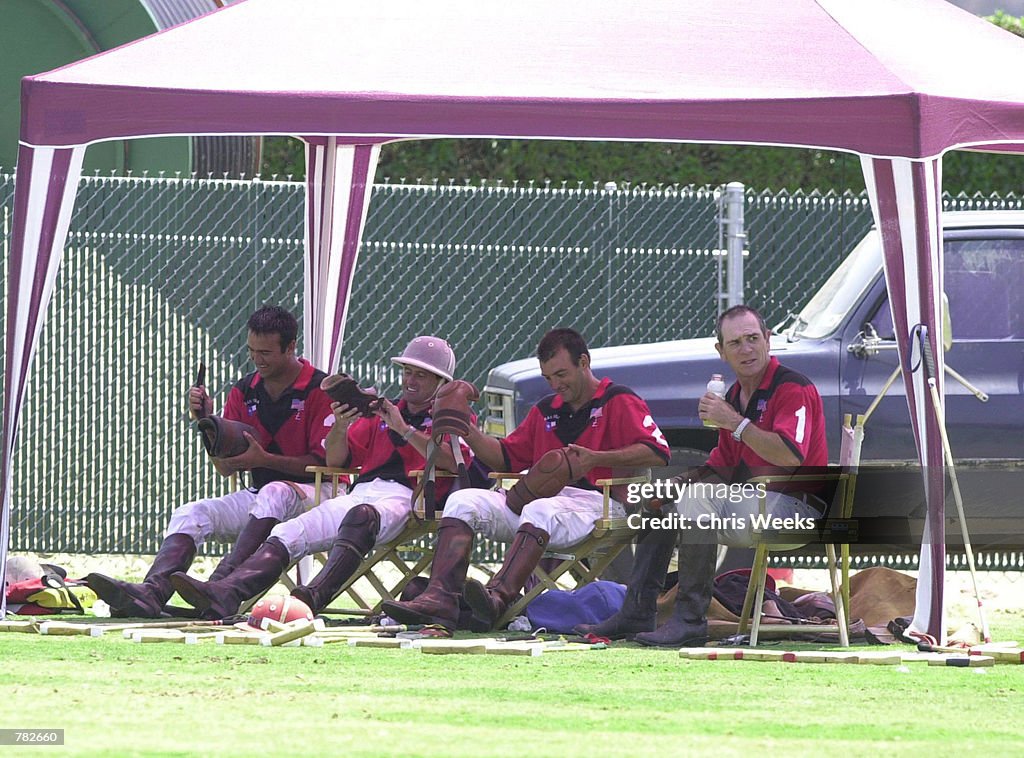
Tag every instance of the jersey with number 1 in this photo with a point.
(615, 418)
(787, 403)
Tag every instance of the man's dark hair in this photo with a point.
(739, 310)
(556, 339)
(272, 319)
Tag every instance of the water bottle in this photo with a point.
(717, 386)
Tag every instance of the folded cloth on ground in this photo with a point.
(561, 610)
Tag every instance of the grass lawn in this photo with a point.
(115, 697)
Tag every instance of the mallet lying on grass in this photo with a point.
(1001, 654)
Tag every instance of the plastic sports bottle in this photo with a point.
(717, 386)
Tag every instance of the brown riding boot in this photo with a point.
(490, 602)
(356, 537)
(252, 536)
(223, 598)
(147, 598)
(439, 602)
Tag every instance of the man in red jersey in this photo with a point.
(771, 421)
(386, 446)
(282, 401)
(599, 424)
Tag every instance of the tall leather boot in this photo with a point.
(639, 610)
(220, 599)
(147, 598)
(490, 602)
(439, 602)
(252, 536)
(356, 537)
(688, 626)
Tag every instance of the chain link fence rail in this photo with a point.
(160, 274)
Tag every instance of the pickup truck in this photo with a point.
(843, 339)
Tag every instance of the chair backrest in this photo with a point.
(852, 440)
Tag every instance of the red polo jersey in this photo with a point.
(615, 418)
(294, 424)
(380, 453)
(787, 403)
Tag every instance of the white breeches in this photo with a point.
(223, 518)
(568, 517)
(314, 531)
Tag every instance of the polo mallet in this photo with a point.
(428, 483)
(200, 382)
(929, 362)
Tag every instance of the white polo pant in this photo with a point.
(223, 518)
(728, 520)
(568, 517)
(315, 530)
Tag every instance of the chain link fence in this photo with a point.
(160, 274)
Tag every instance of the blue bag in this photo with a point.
(560, 610)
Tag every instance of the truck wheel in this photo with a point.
(683, 458)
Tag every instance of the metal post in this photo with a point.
(610, 191)
(735, 239)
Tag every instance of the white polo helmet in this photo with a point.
(430, 353)
(20, 568)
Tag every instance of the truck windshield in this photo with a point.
(829, 306)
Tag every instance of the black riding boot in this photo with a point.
(356, 537)
(223, 598)
(639, 612)
(252, 536)
(147, 598)
(688, 626)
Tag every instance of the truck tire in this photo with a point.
(683, 458)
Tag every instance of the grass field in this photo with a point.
(114, 697)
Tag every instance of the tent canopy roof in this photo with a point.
(804, 72)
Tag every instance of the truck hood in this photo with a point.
(608, 359)
(662, 373)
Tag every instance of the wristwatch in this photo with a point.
(738, 432)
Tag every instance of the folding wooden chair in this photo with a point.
(408, 553)
(583, 562)
(839, 568)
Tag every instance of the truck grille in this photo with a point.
(499, 419)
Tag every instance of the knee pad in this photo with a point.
(555, 469)
(359, 528)
(361, 516)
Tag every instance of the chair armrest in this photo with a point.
(641, 479)
(335, 472)
(501, 476)
(606, 486)
(331, 470)
(826, 476)
(417, 473)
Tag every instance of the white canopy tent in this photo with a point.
(875, 77)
